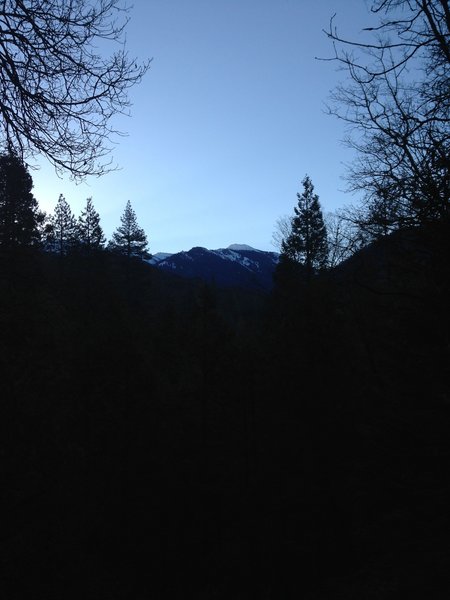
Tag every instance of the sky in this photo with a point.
(225, 124)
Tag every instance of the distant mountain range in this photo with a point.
(238, 265)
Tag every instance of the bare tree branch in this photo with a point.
(397, 108)
(58, 92)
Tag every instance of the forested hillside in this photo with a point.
(172, 438)
(165, 439)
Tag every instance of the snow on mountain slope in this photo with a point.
(242, 247)
(238, 265)
(158, 257)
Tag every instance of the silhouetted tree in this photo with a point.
(397, 106)
(19, 214)
(58, 92)
(129, 239)
(307, 243)
(62, 231)
(345, 236)
(283, 228)
(89, 232)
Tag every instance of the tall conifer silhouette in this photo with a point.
(63, 228)
(129, 239)
(89, 231)
(307, 242)
(19, 214)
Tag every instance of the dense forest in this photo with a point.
(167, 438)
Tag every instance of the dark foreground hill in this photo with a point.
(162, 438)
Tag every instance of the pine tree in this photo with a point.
(62, 235)
(129, 239)
(19, 214)
(89, 232)
(307, 242)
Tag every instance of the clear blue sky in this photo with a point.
(226, 123)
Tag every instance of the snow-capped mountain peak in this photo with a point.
(238, 265)
(244, 247)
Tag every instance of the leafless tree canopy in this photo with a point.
(283, 228)
(346, 235)
(396, 104)
(58, 92)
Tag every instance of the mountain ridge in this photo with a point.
(238, 265)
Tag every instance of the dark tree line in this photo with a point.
(22, 224)
(162, 438)
(289, 445)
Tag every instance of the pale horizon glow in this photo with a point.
(226, 123)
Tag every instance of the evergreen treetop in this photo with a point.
(19, 214)
(62, 235)
(89, 231)
(307, 241)
(129, 239)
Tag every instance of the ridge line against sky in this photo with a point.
(226, 123)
